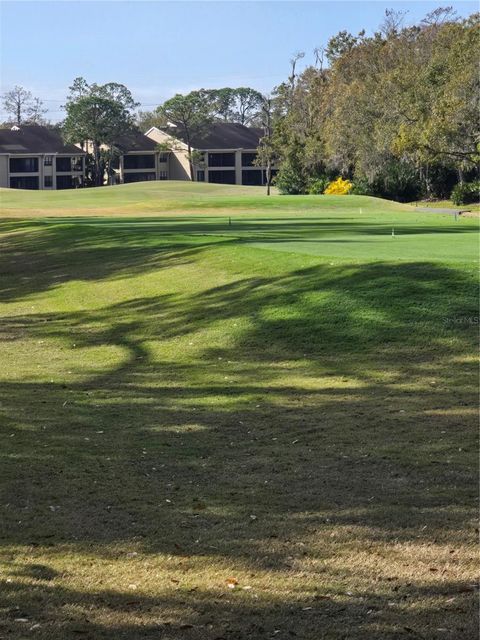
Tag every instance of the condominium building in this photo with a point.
(139, 159)
(225, 153)
(36, 157)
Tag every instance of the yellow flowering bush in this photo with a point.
(338, 187)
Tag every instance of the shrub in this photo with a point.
(441, 181)
(317, 186)
(338, 187)
(396, 180)
(466, 192)
(290, 181)
(361, 187)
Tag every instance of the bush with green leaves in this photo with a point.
(290, 181)
(361, 187)
(318, 185)
(397, 180)
(466, 193)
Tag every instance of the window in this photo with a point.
(163, 157)
(64, 164)
(200, 176)
(24, 182)
(48, 181)
(47, 161)
(24, 165)
(163, 175)
(253, 177)
(65, 182)
(139, 177)
(222, 177)
(248, 159)
(139, 162)
(221, 159)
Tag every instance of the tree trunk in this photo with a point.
(190, 162)
(428, 184)
(96, 155)
(110, 173)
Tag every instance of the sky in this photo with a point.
(159, 48)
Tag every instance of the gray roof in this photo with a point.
(221, 135)
(135, 140)
(33, 138)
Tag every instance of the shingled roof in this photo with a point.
(135, 140)
(221, 135)
(34, 138)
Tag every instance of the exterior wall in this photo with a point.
(179, 169)
(163, 166)
(4, 181)
(132, 171)
(43, 171)
(79, 174)
(238, 166)
(160, 170)
(178, 165)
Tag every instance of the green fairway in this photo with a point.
(228, 416)
(178, 197)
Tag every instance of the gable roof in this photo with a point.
(33, 138)
(221, 135)
(135, 140)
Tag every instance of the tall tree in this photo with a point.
(98, 120)
(298, 55)
(97, 115)
(78, 89)
(191, 113)
(339, 45)
(111, 91)
(223, 103)
(266, 153)
(248, 105)
(147, 119)
(23, 108)
(242, 104)
(36, 112)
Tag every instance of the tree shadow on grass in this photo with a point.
(213, 614)
(330, 422)
(341, 324)
(46, 256)
(37, 256)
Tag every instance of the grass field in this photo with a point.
(448, 204)
(227, 416)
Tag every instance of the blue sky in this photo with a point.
(160, 48)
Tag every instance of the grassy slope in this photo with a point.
(288, 401)
(173, 197)
(447, 204)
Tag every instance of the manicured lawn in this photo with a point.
(231, 416)
(447, 204)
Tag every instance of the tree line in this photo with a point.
(396, 113)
